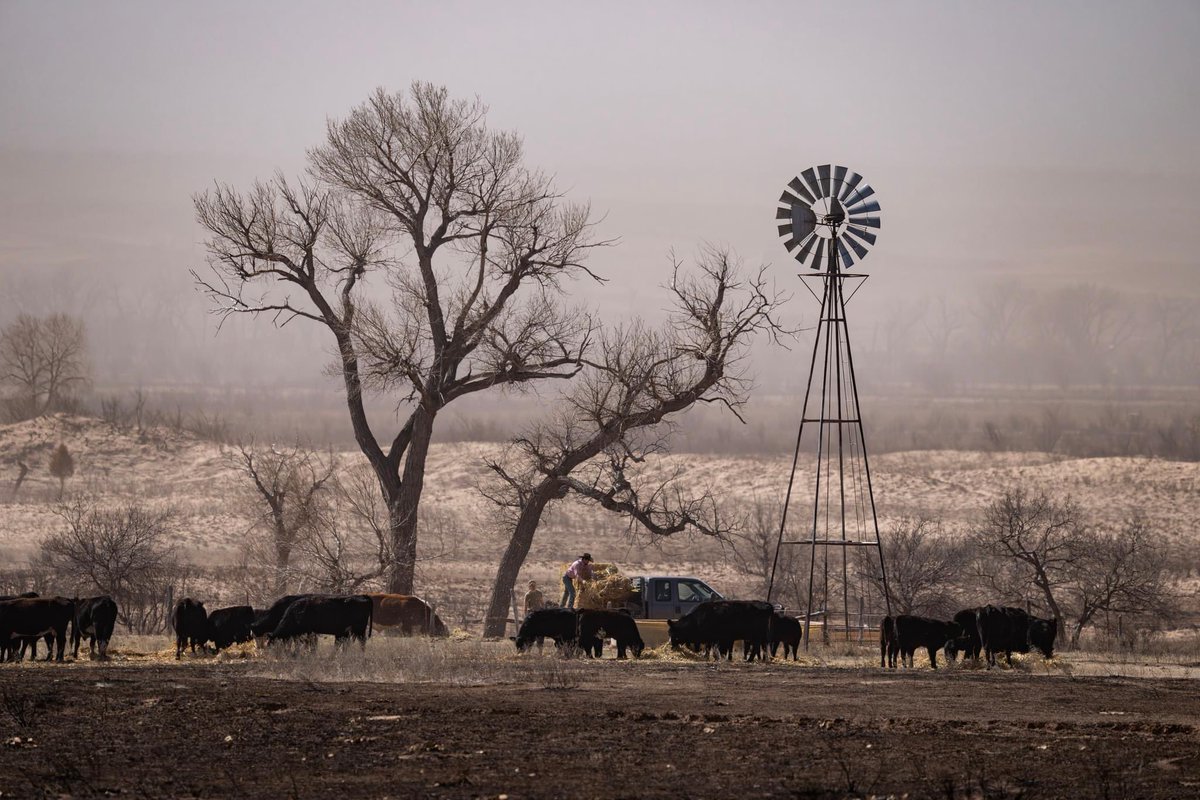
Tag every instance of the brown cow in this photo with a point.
(412, 615)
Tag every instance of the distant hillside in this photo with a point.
(160, 466)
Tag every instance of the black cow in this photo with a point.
(559, 624)
(190, 621)
(229, 626)
(616, 625)
(33, 617)
(95, 618)
(889, 645)
(967, 642)
(266, 622)
(1008, 630)
(788, 631)
(724, 621)
(22, 644)
(343, 617)
(912, 632)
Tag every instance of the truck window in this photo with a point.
(662, 591)
(694, 592)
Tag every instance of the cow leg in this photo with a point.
(1008, 657)
(620, 648)
(62, 643)
(932, 656)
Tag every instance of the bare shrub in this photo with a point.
(122, 552)
(925, 567)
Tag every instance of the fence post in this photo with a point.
(860, 620)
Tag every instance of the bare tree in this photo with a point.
(1037, 534)
(1120, 572)
(925, 567)
(619, 413)
(289, 499)
(752, 551)
(44, 359)
(122, 552)
(414, 192)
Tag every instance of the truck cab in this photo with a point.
(668, 597)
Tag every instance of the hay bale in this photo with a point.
(608, 589)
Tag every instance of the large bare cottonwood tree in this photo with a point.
(620, 409)
(412, 193)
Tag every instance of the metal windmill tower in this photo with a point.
(829, 217)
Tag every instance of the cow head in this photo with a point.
(1041, 635)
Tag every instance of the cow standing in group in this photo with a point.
(190, 621)
(1008, 630)
(35, 617)
(230, 626)
(967, 642)
(616, 625)
(722, 622)
(889, 645)
(912, 632)
(343, 617)
(412, 615)
(95, 618)
(789, 632)
(559, 624)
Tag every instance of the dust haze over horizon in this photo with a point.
(1043, 154)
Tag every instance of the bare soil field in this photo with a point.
(542, 726)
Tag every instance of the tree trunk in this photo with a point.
(514, 557)
(283, 555)
(403, 505)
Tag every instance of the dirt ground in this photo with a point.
(596, 729)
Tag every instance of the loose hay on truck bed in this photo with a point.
(645, 729)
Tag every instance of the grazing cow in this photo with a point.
(559, 624)
(724, 621)
(913, 632)
(190, 621)
(266, 622)
(1008, 630)
(616, 625)
(33, 617)
(229, 626)
(95, 618)
(788, 631)
(22, 644)
(340, 616)
(411, 615)
(967, 642)
(889, 645)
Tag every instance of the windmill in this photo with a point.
(829, 217)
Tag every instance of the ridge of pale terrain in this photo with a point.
(163, 466)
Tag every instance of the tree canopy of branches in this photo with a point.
(619, 413)
(411, 192)
(289, 497)
(45, 360)
(1079, 570)
(123, 552)
(925, 567)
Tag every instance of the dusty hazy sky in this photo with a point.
(1030, 138)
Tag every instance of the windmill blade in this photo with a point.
(858, 249)
(788, 199)
(806, 248)
(859, 196)
(783, 213)
(869, 207)
(865, 222)
(824, 171)
(819, 256)
(851, 182)
(839, 177)
(866, 236)
(810, 178)
(797, 187)
(804, 221)
(785, 230)
(844, 252)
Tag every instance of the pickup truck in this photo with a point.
(667, 597)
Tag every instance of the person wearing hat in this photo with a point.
(580, 570)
